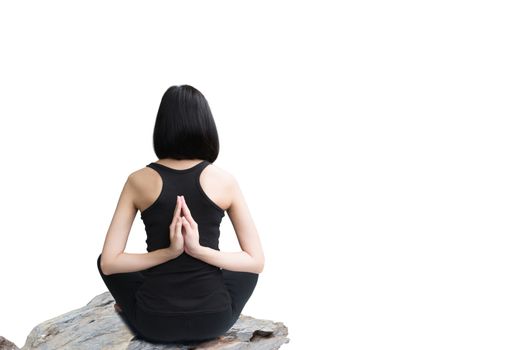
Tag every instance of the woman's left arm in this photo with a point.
(113, 259)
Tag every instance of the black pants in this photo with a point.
(157, 328)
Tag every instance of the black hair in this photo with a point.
(185, 128)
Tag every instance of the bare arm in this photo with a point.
(234, 261)
(251, 258)
(113, 259)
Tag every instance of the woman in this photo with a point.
(184, 289)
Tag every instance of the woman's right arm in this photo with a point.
(251, 258)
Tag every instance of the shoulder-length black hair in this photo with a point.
(184, 128)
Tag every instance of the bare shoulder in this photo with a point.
(142, 177)
(220, 175)
(219, 184)
(145, 184)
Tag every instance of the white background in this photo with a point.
(379, 144)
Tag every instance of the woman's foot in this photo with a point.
(118, 308)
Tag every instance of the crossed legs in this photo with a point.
(123, 286)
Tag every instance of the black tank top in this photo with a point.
(184, 284)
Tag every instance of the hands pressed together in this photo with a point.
(184, 231)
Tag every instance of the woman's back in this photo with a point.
(184, 287)
(184, 284)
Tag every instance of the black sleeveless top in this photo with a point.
(184, 284)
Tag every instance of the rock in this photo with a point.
(7, 345)
(98, 326)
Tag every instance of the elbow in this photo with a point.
(105, 270)
(259, 267)
(103, 267)
(106, 265)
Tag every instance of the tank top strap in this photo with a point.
(164, 169)
(200, 167)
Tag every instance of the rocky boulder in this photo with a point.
(98, 326)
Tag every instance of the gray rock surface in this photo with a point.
(7, 345)
(98, 326)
